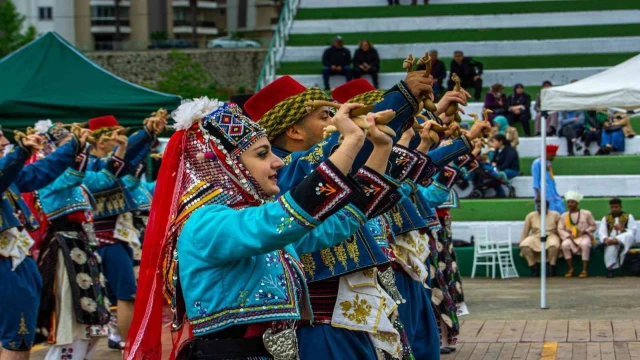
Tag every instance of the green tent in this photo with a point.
(49, 79)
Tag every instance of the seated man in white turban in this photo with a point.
(576, 228)
(617, 233)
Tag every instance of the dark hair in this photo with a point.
(615, 201)
(458, 52)
(501, 138)
(546, 82)
(497, 87)
(365, 41)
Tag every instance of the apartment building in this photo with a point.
(128, 24)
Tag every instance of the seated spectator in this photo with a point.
(552, 118)
(614, 133)
(505, 157)
(576, 228)
(335, 61)
(496, 101)
(593, 122)
(501, 127)
(616, 233)
(500, 177)
(366, 61)
(519, 108)
(571, 128)
(469, 71)
(531, 244)
(438, 71)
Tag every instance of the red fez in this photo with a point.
(351, 89)
(552, 149)
(272, 94)
(107, 121)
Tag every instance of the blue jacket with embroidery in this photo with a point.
(139, 191)
(235, 274)
(16, 178)
(117, 198)
(65, 195)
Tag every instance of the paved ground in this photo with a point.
(594, 318)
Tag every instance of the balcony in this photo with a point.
(108, 26)
(202, 27)
(109, 3)
(202, 4)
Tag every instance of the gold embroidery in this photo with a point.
(341, 254)
(397, 218)
(352, 249)
(368, 273)
(387, 337)
(316, 155)
(356, 310)
(328, 259)
(309, 265)
(286, 160)
(23, 326)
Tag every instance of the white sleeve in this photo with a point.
(632, 226)
(602, 230)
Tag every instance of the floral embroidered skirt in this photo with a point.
(73, 299)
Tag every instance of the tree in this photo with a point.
(186, 77)
(11, 29)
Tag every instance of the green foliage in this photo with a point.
(11, 29)
(159, 35)
(186, 78)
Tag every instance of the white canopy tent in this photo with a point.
(618, 87)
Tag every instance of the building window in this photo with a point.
(45, 13)
(103, 12)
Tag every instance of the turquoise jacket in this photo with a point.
(242, 266)
(65, 194)
(117, 198)
(139, 192)
(16, 178)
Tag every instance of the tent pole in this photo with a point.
(543, 213)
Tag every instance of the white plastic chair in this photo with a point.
(490, 253)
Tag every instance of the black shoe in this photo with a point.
(552, 131)
(577, 145)
(535, 270)
(571, 154)
(444, 351)
(114, 345)
(552, 270)
(610, 273)
(587, 152)
(451, 348)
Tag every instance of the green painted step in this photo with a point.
(436, 36)
(517, 209)
(490, 62)
(464, 257)
(589, 165)
(464, 9)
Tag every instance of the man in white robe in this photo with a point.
(617, 233)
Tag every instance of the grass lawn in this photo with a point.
(517, 209)
(589, 165)
(436, 36)
(465, 9)
(490, 62)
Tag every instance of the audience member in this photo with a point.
(593, 122)
(438, 71)
(616, 233)
(366, 61)
(496, 101)
(505, 157)
(394, 2)
(552, 118)
(519, 106)
(571, 128)
(501, 126)
(576, 228)
(531, 244)
(614, 133)
(336, 60)
(469, 71)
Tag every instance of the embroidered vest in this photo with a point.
(611, 221)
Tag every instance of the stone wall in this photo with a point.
(229, 68)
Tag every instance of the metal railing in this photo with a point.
(278, 43)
